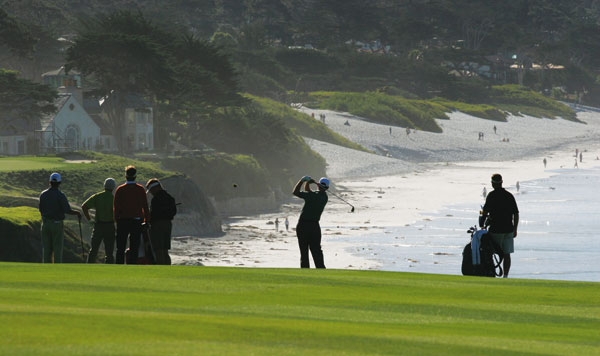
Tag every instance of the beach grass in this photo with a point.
(182, 310)
(303, 124)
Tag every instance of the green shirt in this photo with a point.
(103, 204)
(314, 203)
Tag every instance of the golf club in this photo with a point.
(81, 239)
(340, 198)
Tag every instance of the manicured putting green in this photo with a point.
(26, 163)
(181, 310)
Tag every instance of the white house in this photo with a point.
(71, 128)
(13, 139)
(139, 122)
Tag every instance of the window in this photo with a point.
(150, 145)
(72, 133)
(142, 140)
(140, 117)
(4, 147)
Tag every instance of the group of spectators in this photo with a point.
(127, 208)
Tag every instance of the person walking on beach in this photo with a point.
(581, 157)
(162, 212)
(518, 186)
(390, 130)
(484, 193)
(545, 161)
(495, 130)
(104, 224)
(308, 229)
(130, 208)
(53, 206)
(503, 213)
(276, 224)
(287, 224)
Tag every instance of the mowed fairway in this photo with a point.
(28, 163)
(181, 310)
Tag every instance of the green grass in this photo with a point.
(20, 215)
(303, 124)
(421, 114)
(79, 180)
(29, 163)
(183, 310)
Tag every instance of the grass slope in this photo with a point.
(421, 114)
(28, 176)
(182, 310)
(304, 124)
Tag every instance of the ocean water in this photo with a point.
(558, 236)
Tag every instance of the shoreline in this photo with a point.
(413, 193)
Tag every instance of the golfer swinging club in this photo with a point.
(308, 229)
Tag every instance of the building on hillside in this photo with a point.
(139, 122)
(60, 78)
(83, 124)
(14, 137)
(71, 128)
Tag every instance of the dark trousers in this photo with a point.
(103, 232)
(309, 237)
(132, 229)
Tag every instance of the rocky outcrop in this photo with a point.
(196, 214)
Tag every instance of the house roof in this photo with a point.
(60, 71)
(131, 100)
(60, 101)
(105, 128)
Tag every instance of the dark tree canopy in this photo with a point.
(21, 99)
(15, 35)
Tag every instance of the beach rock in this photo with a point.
(196, 216)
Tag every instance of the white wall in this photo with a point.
(73, 115)
(13, 145)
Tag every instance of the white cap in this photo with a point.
(324, 182)
(55, 177)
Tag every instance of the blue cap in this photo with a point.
(55, 177)
(324, 182)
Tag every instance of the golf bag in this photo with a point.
(491, 256)
(145, 251)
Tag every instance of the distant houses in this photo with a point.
(78, 123)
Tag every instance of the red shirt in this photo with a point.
(130, 202)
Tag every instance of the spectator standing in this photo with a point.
(104, 224)
(53, 206)
(162, 212)
(130, 211)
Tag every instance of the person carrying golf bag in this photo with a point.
(503, 219)
(104, 224)
(308, 229)
(130, 211)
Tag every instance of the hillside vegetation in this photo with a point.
(180, 310)
(303, 124)
(80, 180)
(421, 114)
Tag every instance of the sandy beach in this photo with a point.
(412, 186)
